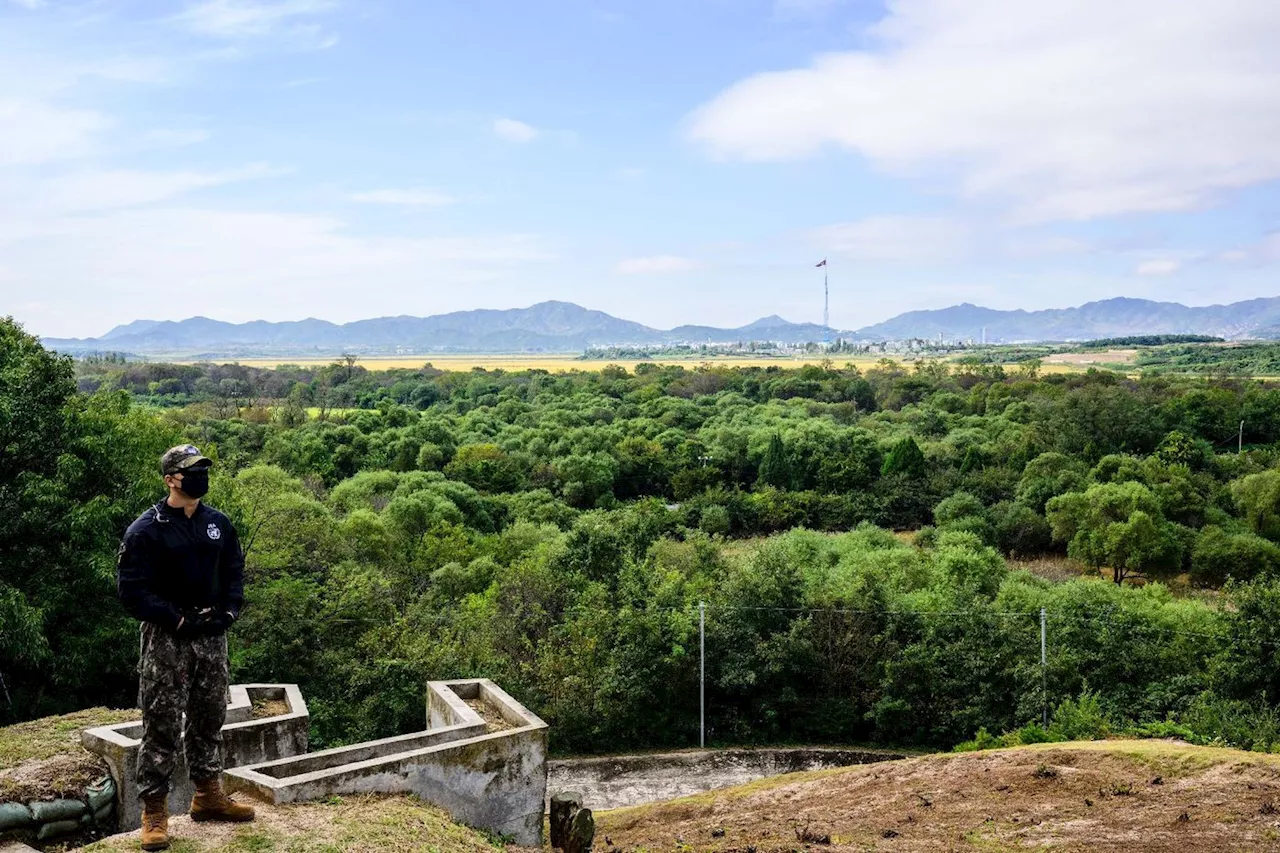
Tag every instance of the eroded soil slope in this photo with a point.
(1107, 796)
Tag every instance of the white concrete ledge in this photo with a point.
(494, 780)
(244, 741)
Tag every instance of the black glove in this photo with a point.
(204, 623)
(216, 624)
(190, 627)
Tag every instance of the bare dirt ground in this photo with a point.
(1051, 567)
(1110, 356)
(1105, 796)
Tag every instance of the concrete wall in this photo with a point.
(244, 741)
(492, 779)
(632, 780)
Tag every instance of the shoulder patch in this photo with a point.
(214, 531)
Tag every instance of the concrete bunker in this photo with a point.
(482, 758)
(246, 739)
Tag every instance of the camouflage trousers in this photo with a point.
(182, 690)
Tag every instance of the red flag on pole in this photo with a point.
(823, 263)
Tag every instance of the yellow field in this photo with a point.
(567, 363)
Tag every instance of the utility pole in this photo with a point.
(1240, 440)
(702, 674)
(1044, 667)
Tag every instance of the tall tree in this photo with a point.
(775, 468)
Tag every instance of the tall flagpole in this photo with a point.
(826, 307)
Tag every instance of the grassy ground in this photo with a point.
(1103, 796)
(43, 758)
(355, 824)
(50, 736)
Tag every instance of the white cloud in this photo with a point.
(1261, 252)
(30, 4)
(1163, 266)
(256, 264)
(656, 265)
(514, 131)
(896, 238)
(926, 239)
(119, 188)
(1061, 109)
(282, 20)
(410, 197)
(33, 132)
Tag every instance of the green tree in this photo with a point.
(1115, 525)
(74, 471)
(775, 466)
(1047, 476)
(1257, 496)
(1219, 555)
(905, 458)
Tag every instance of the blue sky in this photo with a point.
(668, 161)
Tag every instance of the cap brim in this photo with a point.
(192, 462)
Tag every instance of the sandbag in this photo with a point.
(46, 811)
(58, 827)
(101, 792)
(15, 816)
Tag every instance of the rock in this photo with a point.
(563, 808)
(582, 832)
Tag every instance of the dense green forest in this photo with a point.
(557, 532)
(1244, 359)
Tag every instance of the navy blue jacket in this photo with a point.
(169, 564)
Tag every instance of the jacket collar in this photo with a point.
(167, 513)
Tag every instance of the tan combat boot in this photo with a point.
(155, 822)
(210, 803)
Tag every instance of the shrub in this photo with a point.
(1218, 555)
(1080, 719)
(1235, 722)
(958, 506)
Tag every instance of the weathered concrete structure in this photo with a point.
(631, 780)
(245, 740)
(486, 767)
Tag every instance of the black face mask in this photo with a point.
(195, 484)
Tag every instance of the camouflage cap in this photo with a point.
(180, 458)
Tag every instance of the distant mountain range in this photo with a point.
(1110, 318)
(545, 327)
(566, 327)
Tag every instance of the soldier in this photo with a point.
(180, 572)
